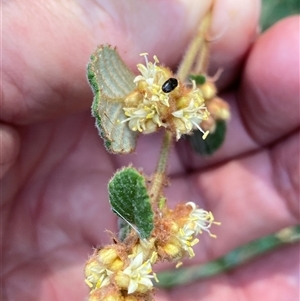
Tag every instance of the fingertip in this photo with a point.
(10, 145)
(269, 96)
(234, 29)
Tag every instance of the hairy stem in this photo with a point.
(160, 173)
(197, 55)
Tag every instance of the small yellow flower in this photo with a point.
(200, 220)
(191, 116)
(137, 276)
(187, 239)
(173, 248)
(143, 113)
(179, 244)
(101, 266)
(146, 247)
(97, 275)
(143, 118)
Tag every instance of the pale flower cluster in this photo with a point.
(140, 273)
(107, 268)
(97, 276)
(152, 107)
(199, 220)
(114, 271)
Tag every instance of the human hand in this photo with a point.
(54, 190)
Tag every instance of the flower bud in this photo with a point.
(133, 99)
(208, 90)
(91, 264)
(110, 259)
(209, 124)
(122, 280)
(173, 248)
(150, 127)
(107, 256)
(218, 108)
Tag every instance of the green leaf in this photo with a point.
(111, 81)
(199, 79)
(212, 142)
(129, 199)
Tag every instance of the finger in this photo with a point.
(252, 196)
(269, 98)
(267, 105)
(237, 142)
(234, 29)
(240, 23)
(274, 276)
(44, 70)
(45, 60)
(10, 145)
(258, 193)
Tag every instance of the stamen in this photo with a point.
(144, 54)
(179, 264)
(205, 135)
(155, 59)
(194, 87)
(198, 127)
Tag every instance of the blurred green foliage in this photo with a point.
(231, 260)
(274, 10)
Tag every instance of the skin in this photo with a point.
(54, 168)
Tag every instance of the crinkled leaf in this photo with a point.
(129, 199)
(111, 81)
(212, 142)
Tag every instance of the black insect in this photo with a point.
(169, 85)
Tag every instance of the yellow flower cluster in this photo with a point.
(160, 100)
(184, 223)
(123, 271)
(111, 271)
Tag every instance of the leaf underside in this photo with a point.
(129, 199)
(111, 81)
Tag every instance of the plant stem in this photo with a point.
(231, 260)
(160, 173)
(197, 52)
